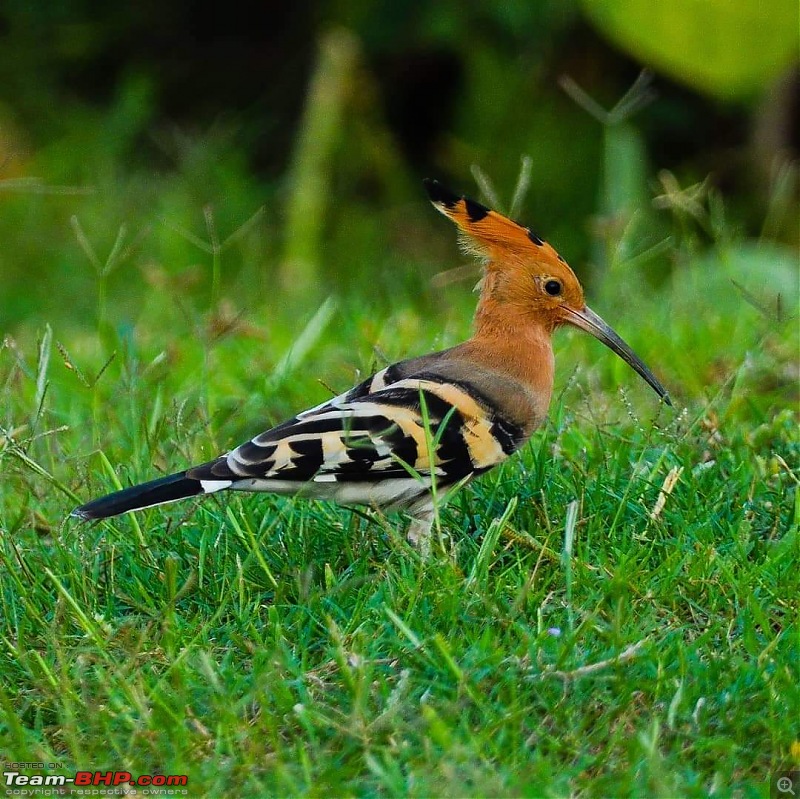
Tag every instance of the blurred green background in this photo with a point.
(165, 127)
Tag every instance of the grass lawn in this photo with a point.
(611, 613)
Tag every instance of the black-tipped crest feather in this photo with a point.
(441, 194)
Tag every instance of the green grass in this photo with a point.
(564, 639)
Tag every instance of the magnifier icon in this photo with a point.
(785, 786)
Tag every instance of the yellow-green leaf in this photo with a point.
(728, 48)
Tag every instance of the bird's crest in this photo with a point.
(487, 233)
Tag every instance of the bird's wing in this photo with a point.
(374, 443)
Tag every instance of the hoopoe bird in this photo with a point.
(418, 429)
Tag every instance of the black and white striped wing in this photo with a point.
(380, 444)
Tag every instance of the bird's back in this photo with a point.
(443, 418)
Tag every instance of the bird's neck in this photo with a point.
(523, 350)
(518, 348)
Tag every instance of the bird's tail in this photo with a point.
(156, 492)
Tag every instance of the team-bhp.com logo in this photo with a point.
(93, 783)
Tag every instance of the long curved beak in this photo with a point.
(586, 319)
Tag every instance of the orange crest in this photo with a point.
(488, 233)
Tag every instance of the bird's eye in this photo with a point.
(553, 288)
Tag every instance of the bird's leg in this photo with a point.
(419, 531)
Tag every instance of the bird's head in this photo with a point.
(526, 281)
